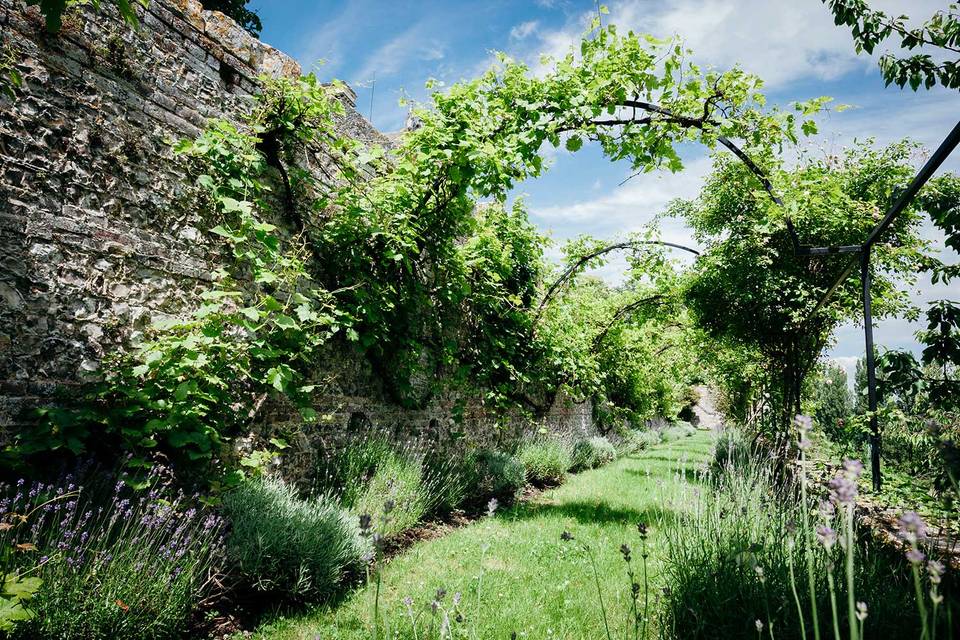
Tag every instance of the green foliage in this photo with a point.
(745, 522)
(546, 460)
(495, 475)
(637, 440)
(591, 453)
(678, 431)
(281, 544)
(53, 10)
(15, 595)
(751, 294)
(397, 494)
(237, 9)
(832, 401)
(939, 35)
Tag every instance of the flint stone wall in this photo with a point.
(97, 238)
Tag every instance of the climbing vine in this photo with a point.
(411, 253)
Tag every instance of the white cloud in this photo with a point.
(524, 30)
(780, 40)
(399, 52)
(631, 206)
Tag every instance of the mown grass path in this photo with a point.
(530, 582)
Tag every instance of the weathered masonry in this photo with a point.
(97, 237)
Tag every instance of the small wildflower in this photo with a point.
(861, 611)
(642, 530)
(803, 423)
(365, 521)
(912, 527)
(853, 467)
(625, 552)
(441, 593)
(759, 625)
(456, 598)
(826, 510)
(759, 571)
(566, 536)
(492, 507)
(842, 490)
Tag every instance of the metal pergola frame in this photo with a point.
(863, 252)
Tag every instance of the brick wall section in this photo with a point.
(97, 235)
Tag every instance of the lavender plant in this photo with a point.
(112, 563)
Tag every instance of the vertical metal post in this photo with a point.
(871, 370)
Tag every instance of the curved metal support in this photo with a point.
(573, 269)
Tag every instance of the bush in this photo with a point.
(635, 440)
(678, 431)
(546, 461)
(494, 474)
(282, 544)
(592, 452)
(731, 451)
(111, 563)
(399, 481)
(367, 474)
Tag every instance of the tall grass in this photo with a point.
(748, 559)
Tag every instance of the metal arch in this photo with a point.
(863, 251)
(582, 260)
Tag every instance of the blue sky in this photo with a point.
(387, 50)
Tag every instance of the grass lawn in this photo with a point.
(525, 578)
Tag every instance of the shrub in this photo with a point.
(636, 440)
(678, 431)
(592, 452)
(494, 474)
(546, 461)
(110, 563)
(399, 481)
(372, 471)
(282, 544)
(731, 451)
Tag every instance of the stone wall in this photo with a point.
(97, 237)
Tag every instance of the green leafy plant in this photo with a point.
(591, 453)
(939, 35)
(53, 10)
(103, 561)
(283, 545)
(494, 475)
(546, 460)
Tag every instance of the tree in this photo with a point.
(938, 36)
(237, 9)
(749, 291)
(832, 400)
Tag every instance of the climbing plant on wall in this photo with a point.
(388, 248)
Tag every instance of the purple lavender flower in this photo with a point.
(912, 527)
(826, 510)
(842, 491)
(853, 468)
(492, 507)
(826, 536)
(915, 556)
(935, 569)
(803, 423)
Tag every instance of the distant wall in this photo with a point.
(97, 235)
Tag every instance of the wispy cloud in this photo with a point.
(412, 45)
(524, 30)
